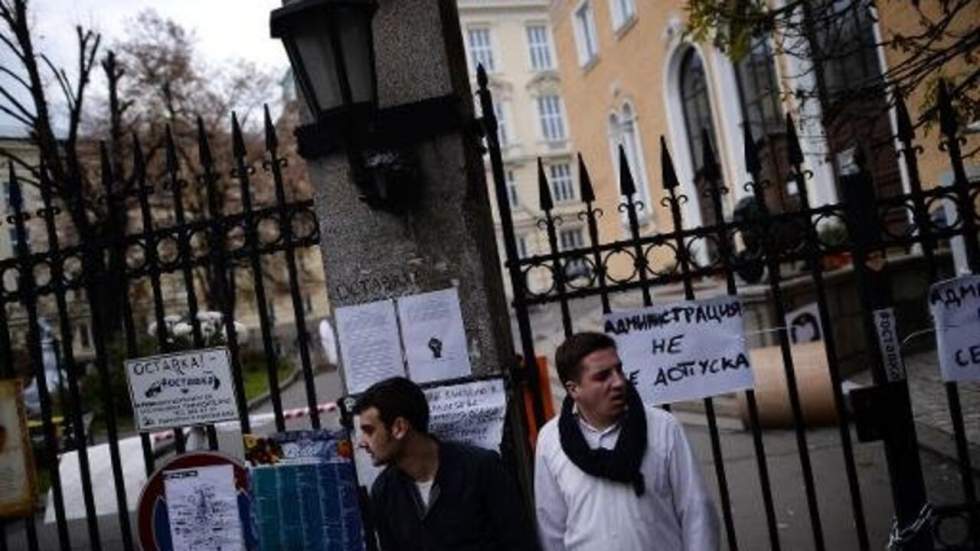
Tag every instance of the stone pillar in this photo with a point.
(448, 238)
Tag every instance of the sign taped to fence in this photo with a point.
(955, 308)
(370, 349)
(889, 344)
(433, 334)
(17, 475)
(683, 350)
(182, 389)
(470, 412)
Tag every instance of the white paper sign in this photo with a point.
(804, 324)
(955, 308)
(435, 341)
(202, 505)
(369, 345)
(472, 413)
(889, 345)
(182, 389)
(683, 350)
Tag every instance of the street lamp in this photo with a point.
(330, 44)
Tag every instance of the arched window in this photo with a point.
(696, 105)
(623, 132)
(759, 91)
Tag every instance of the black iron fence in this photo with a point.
(763, 245)
(201, 246)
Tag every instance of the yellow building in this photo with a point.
(512, 39)
(630, 75)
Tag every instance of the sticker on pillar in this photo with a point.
(370, 350)
(434, 337)
(683, 350)
(889, 345)
(182, 389)
(955, 308)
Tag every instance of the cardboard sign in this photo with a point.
(182, 389)
(889, 345)
(683, 350)
(17, 476)
(955, 308)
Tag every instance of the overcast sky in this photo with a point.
(225, 29)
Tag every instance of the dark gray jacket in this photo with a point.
(474, 506)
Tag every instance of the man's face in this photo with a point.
(600, 391)
(381, 443)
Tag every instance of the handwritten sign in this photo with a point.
(370, 349)
(182, 389)
(433, 334)
(202, 506)
(683, 350)
(889, 345)
(955, 308)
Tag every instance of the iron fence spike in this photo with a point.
(271, 141)
(481, 75)
(752, 163)
(947, 114)
(626, 184)
(544, 193)
(237, 142)
(14, 198)
(906, 132)
(793, 149)
(584, 181)
(711, 172)
(668, 174)
(203, 147)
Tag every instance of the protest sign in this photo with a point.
(303, 491)
(683, 350)
(202, 505)
(955, 308)
(17, 475)
(370, 349)
(182, 389)
(433, 334)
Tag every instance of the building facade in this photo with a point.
(512, 40)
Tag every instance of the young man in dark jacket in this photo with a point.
(434, 495)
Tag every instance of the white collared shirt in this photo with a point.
(579, 512)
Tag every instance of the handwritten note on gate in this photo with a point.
(955, 308)
(469, 412)
(683, 350)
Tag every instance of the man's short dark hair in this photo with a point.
(568, 357)
(396, 397)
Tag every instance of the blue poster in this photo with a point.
(304, 495)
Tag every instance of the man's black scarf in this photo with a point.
(622, 463)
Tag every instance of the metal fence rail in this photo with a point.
(168, 253)
(872, 235)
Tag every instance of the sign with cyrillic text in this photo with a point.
(182, 389)
(955, 308)
(889, 345)
(683, 350)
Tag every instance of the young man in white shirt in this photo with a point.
(611, 474)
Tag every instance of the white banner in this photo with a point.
(955, 308)
(683, 350)
(182, 389)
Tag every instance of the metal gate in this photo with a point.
(193, 242)
(771, 243)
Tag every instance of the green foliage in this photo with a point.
(729, 25)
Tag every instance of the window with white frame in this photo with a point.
(512, 195)
(623, 132)
(481, 48)
(623, 11)
(539, 47)
(552, 122)
(562, 189)
(586, 38)
(500, 112)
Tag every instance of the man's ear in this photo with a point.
(572, 388)
(399, 428)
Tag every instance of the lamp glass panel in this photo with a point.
(356, 38)
(312, 39)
